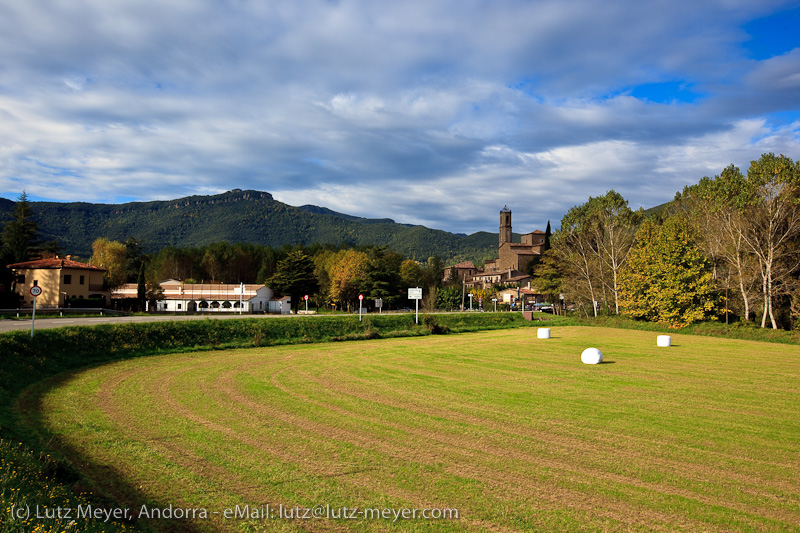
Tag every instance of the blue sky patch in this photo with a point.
(773, 35)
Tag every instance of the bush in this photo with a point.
(433, 325)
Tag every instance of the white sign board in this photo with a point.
(415, 293)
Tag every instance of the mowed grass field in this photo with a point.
(512, 431)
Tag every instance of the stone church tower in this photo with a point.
(505, 225)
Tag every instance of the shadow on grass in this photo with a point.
(117, 490)
(608, 362)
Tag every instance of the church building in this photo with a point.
(515, 256)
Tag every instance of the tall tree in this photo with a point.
(295, 277)
(614, 226)
(20, 233)
(346, 275)
(773, 216)
(715, 207)
(112, 256)
(549, 278)
(548, 234)
(667, 278)
(382, 276)
(576, 248)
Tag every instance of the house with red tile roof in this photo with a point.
(60, 280)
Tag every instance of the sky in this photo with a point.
(433, 112)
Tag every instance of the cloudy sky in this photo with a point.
(434, 112)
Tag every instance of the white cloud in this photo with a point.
(426, 112)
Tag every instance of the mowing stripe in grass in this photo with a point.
(512, 430)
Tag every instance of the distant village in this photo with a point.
(66, 282)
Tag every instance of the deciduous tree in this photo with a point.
(773, 221)
(112, 256)
(667, 278)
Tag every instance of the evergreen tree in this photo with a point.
(141, 287)
(295, 277)
(549, 278)
(19, 233)
(547, 234)
(382, 277)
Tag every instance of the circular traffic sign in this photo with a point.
(305, 297)
(36, 290)
(360, 296)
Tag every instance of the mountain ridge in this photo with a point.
(247, 216)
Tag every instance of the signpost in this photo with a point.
(416, 295)
(470, 301)
(35, 291)
(360, 301)
(495, 304)
(306, 299)
(379, 304)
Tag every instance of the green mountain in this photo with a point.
(240, 216)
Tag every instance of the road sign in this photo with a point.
(35, 291)
(305, 297)
(414, 293)
(360, 296)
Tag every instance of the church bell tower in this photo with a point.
(505, 225)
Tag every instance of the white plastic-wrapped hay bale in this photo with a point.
(664, 341)
(543, 333)
(591, 356)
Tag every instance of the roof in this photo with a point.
(463, 264)
(54, 264)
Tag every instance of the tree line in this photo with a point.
(332, 276)
(725, 248)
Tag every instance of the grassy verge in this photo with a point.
(32, 478)
(737, 330)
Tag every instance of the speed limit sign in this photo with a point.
(36, 291)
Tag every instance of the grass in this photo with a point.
(35, 478)
(511, 430)
(735, 330)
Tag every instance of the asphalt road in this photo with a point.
(46, 322)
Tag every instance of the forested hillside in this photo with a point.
(240, 216)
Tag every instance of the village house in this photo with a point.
(61, 280)
(181, 297)
(461, 271)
